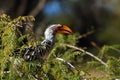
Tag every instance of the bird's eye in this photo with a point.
(57, 27)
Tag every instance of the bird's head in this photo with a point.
(54, 29)
(58, 29)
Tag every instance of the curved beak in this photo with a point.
(65, 30)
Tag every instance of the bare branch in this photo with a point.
(86, 34)
(22, 7)
(74, 69)
(38, 8)
(95, 45)
(66, 62)
(88, 53)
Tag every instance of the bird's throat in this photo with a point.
(50, 37)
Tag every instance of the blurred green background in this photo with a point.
(100, 16)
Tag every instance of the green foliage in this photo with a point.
(11, 38)
(13, 67)
(58, 70)
(108, 51)
(112, 55)
(113, 68)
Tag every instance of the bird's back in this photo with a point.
(39, 52)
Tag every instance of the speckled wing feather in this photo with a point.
(38, 53)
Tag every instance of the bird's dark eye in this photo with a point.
(57, 27)
(60, 26)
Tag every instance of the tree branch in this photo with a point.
(88, 53)
(21, 8)
(38, 8)
(66, 62)
(74, 70)
(86, 34)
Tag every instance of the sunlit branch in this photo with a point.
(66, 62)
(88, 53)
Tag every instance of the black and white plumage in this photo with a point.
(43, 49)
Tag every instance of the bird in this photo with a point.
(43, 49)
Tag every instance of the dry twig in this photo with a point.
(88, 53)
(73, 67)
(86, 34)
(66, 62)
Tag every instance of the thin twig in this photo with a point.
(66, 62)
(86, 34)
(95, 45)
(88, 53)
(74, 69)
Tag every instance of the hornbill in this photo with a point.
(42, 50)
